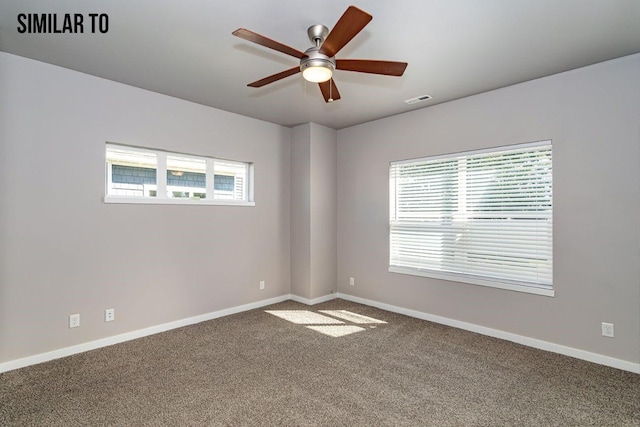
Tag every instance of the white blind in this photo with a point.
(485, 215)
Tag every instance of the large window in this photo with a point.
(139, 175)
(482, 217)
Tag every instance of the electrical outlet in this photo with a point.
(261, 284)
(110, 315)
(607, 329)
(74, 321)
(352, 281)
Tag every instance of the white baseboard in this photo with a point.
(104, 342)
(530, 342)
(314, 301)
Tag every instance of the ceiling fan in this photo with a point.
(318, 62)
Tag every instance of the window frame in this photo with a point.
(462, 277)
(161, 186)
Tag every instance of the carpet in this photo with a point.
(333, 364)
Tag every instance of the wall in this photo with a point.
(63, 251)
(591, 114)
(313, 211)
(301, 211)
(323, 206)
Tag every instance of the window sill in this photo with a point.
(473, 281)
(157, 201)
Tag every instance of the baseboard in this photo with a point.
(116, 339)
(314, 301)
(531, 342)
(520, 339)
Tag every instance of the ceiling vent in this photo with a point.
(417, 99)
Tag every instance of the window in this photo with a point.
(139, 175)
(481, 217)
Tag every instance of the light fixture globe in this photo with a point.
(316, 67)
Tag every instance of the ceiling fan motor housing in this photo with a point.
(313, 58)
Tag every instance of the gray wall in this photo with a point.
(313, 211)
(592, 115)
(63, 251)
(301, 211)
(323, 210)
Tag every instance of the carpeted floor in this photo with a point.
(260, 368)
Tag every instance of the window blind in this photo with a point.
(481, 217)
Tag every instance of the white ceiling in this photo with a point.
(454, 48)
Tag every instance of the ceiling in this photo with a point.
(454, 48)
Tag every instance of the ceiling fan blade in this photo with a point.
(329, 90)
(274, 78)
(243, 33)
(350, 23)
(388, 68)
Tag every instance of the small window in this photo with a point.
(482, 217)
(138, 175)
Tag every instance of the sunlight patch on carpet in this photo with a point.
(336, 330)
(330, 326)
(304, 317)
(351, 317)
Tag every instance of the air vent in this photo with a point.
(417, 99)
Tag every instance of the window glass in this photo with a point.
(131, 172)
(230, 180)
(186, 177)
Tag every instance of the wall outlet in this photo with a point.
(352, 281)
(607, 329)
(74, 321)
(261, 284)
(110, 315)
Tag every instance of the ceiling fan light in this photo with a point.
(315, 67)
(317, 74)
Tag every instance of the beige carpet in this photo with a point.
(260, 368)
